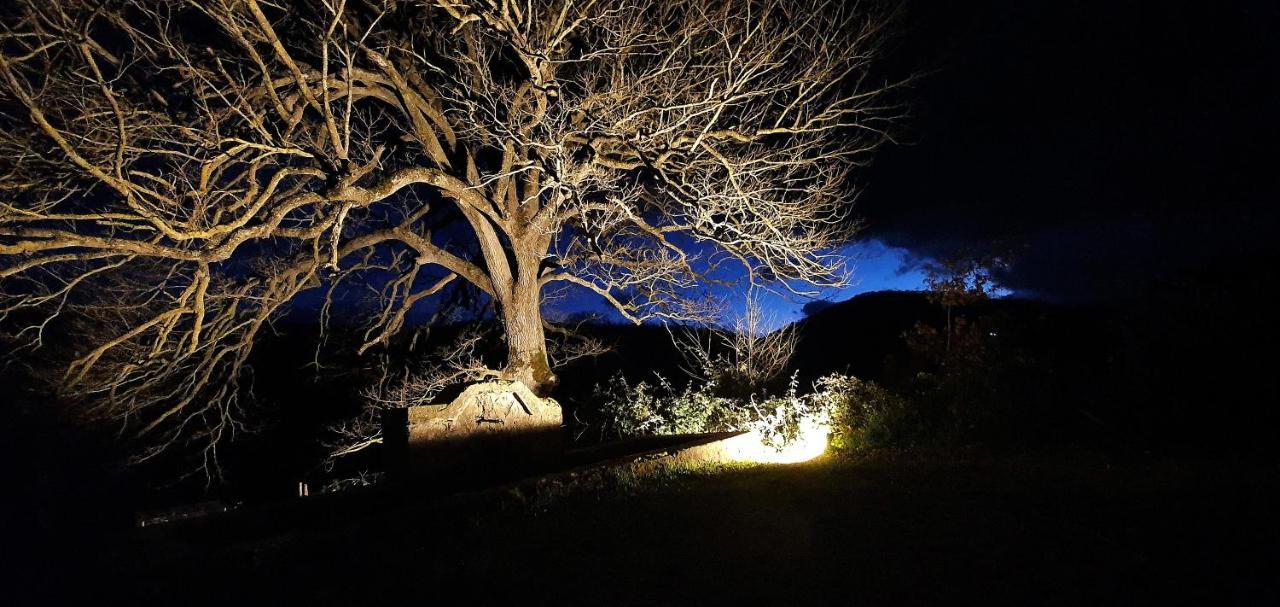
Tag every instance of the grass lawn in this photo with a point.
(888, 528)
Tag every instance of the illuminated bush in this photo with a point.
(855, 413)
(647, 409)
(865, 414)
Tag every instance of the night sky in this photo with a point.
(1107, 145)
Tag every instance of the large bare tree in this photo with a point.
(189, 168)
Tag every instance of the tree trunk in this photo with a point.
(522, 321)
(527, 346)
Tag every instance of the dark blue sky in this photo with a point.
(875, 267)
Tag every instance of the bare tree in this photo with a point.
(962, 279)
(741, 359)
(213, 159)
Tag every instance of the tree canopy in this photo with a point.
(181, 171)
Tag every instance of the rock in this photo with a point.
(489, 408)
(492, 428)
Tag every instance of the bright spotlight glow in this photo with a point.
(810, 443)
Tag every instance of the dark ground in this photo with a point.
(890, 528)
(1193, 522)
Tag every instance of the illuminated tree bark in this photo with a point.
(192, 167)
(522, 319)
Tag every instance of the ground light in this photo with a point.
(810, 443)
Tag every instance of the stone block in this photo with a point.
(492, 428)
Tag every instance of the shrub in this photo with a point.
(644, 409)
(779, 420)
(860, 413)
(865, 414)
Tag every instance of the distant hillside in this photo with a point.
(859, 335)
(856, 335)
